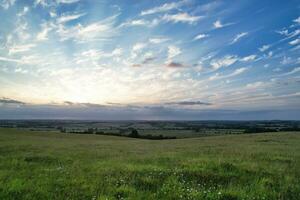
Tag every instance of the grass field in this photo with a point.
(41, 165)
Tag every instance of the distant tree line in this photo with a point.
(265, 130)
(133, 133)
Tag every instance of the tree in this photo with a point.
(134, 133)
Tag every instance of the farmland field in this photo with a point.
(53, 165)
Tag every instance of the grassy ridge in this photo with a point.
(40, 165)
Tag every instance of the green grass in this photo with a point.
(41, 165)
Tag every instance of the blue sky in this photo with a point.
(184, 59)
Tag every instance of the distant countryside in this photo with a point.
(49, 159)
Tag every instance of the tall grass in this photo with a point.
(40, 165)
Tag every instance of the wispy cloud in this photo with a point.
(20, 48)
(264, 48)
(89, 105)
(248, 58)
(101, 30)
(297, 20)
(43, 34)
(286, 60)
(238, 37)
(7, 3)
(218, 24)
(223, 62)
(201, 36)
(96, 54)
(234, 73)
(67, 1)
(294, 71)
(288, 34)
(163, 8)
(140, 22)
(175, 64)
(189, 103)
(43, 3)
(46, 3)
(295, 42)
(9, 59)
(67, 18)
(173, 51)
(158, 40)
(256, 85)
(4, 100)
(136, 48)
(181, 17)
(148, 60)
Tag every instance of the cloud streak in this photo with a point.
(163, 8)
(4, 100)
(189, 103)
(239, 37)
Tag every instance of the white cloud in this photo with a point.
(286, 60)
(158, 40)
(20, 48)
(21, 70)
(41, 2)
(270, 54)
(218, 24)
(173, 51)
(5, 4)
(255, 85)
(239, 71)
(52, 14)
(174, 18)
(9, 59)
(295, 70)
(264, 48)
(31, 59)
(294, 33)
(137, 22)
(238, 37)
(181, 17)
(201, 36)
(288, 34)
(136, 49)
(92, 53)
(101, 30)
(117, 52)
(234, 73)
(96, 54)
(223, 62)
(138, 46)
(277, 69)
(25, 10)
(295, 42)
(67, 18)
(43, 34)
(284, 32)
(163, 8)
(297, 20)
(248, 58)
(67, 1)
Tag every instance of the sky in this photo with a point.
(150, 60)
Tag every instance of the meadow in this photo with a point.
(53, 165)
